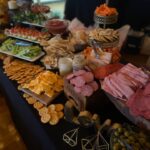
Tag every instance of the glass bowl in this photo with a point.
(57, 26)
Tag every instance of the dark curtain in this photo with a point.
(133, 12)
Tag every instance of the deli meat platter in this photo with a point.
(140, 121)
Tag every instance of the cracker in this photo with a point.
(54, 119)
(26, 95)
(59, 107)
(38, 105)
(51, 107)
(45, 118)
(43, 111)
(60, 114)
(32, 101)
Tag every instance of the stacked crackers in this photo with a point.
(49, 114)
(21, 71)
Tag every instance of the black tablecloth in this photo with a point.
(38, 136)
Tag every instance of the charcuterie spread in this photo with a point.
(73, 74)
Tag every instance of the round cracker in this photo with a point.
(60, 114)
(51, 108)
(45, 118)
(38, 105)
(54, 119)
(31, 100)
(59, 107)
(43, 111)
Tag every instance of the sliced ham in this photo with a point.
(87, 90)
(139, 103)
(78, 73)
(94, 85)
(88, 77)
(77, 89)
(111, 89)
(125, 89)
(78, 81)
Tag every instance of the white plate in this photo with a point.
(22, 38)
(24, 58)
(34, 24)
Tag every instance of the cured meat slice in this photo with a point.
(78, 73)
(78, 81)
(135, 82)
(123, 80)
(147, 90)
(88, 77)
(126, 90)
(136, 75)
(87, 90)
(77, 89)
(138, 70)
(139, 103)
(70, 76)
(94, 85)
(108, 86)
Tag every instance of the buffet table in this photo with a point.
(40, 136)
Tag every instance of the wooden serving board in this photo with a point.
(44, 99)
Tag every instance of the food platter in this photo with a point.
(34, 24)
(21, 49)
(44, 99)
(24, 58)
(140, 121)
(23, 39)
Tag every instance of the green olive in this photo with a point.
(141, 134)
(147, 145)
(116, 146)
(126, 133)
(142, 140)
(116, 133)
(131, 138)
(116, 126)
(114, 140)
(120, 130)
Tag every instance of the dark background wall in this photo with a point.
(133, 12)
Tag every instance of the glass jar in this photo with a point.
(65, 66)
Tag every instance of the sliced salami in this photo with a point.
(88, 77)
(94, 85)
(87, 90)
(78, 73)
